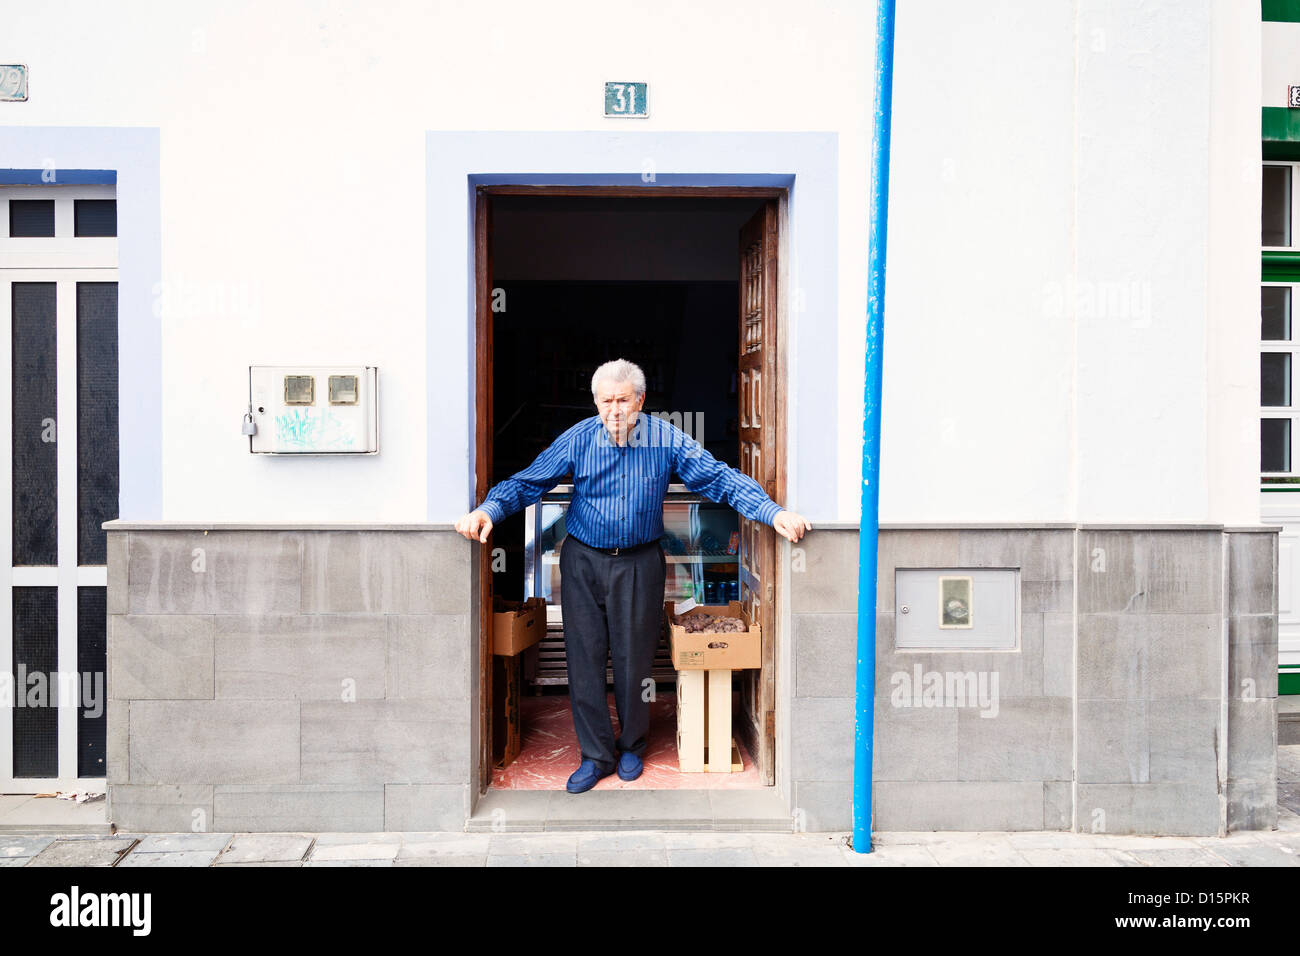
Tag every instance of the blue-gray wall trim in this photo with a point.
(804, 163)
(59, 177)
(131, 156)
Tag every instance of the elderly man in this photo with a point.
(611, 565)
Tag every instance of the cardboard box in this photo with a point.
(710, 650)
(517, 625)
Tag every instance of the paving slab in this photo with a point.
(708, 840)
(103, 852)
(799, 856)
(901, 855)
(1257, 855)
(1054, 840)
(1178, 858)
(514, 844)
(266, 848)
(263, 863)
(532, 859)
(348, 862)
(428, 846)
(1077, 857)
(1131, 842)
(182, 842)
(1288, 822)
(800, 840)
(449, 860)
(623, 858)
(12, 847)
(1239, 838)
(178, 858)
(325, 852)
(1281, 838)
(716, 856)
(985, 853)
(383, 837)
(624, 840)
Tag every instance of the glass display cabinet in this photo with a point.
(701, 542)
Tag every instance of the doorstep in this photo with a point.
(24, 813)
(504, 811)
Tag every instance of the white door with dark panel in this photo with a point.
(58, 429)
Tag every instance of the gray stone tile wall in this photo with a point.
(1252, 681)
(1160, 613)
(322, 680)
(289, 680)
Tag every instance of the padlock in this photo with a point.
(250, 426)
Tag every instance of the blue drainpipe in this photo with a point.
(869, 525)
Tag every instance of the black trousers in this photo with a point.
(613, 605)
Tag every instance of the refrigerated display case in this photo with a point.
(700, 542)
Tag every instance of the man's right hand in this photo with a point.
(476, 524)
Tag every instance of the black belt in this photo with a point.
(629, 549)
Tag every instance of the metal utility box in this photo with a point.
(313, 410)
(957, 608)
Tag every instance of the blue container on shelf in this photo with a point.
(733, 590)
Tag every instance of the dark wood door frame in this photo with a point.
(484, 420)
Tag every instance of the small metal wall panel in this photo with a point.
(963, 608)
(313, 410)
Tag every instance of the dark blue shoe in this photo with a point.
(585, 777)
(629, 766)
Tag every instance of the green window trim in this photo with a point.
(1280, 11)
(1280, 129)
(1280, 267)
(1288, 682)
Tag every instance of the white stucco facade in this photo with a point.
(1074, 192)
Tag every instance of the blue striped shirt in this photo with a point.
(618, 490)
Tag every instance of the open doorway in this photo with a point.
(683, 283)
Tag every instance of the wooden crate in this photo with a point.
(704, 741)
(506, 728)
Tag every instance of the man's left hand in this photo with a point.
(790, 526)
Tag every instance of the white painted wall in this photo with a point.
(1232, 281)
(1073, 284)
(1040, 149)
(978, 332)
(1280, 61)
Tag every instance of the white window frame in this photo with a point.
(1295, 207)
(64, 260)
(1291, 347)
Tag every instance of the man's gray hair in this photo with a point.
(620, 370)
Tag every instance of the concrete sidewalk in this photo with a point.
(41, 832)
(650, 848)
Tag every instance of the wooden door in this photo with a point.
(483, 371)
(760, 426)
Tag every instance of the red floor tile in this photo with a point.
(549, 752)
